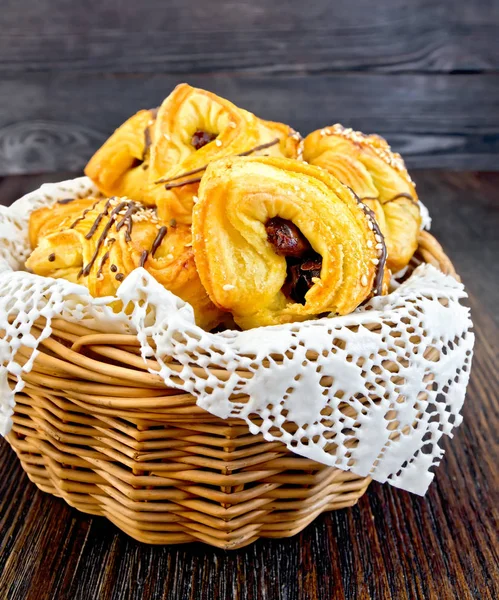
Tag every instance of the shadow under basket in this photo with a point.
(94, 427)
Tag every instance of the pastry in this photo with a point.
(278, 240)
(380, 179)
(119, 167)
(101, 244)
(195, 127)
(154, 155)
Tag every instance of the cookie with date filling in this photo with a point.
(276, 240)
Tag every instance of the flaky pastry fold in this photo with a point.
(277, 240)
(103, 240)
(380, 179)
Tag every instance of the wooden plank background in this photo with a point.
(425, 74)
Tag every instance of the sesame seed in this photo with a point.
(169, 256)
(363, 280)
(227, 287)
(379, 246)
(369, 243)
(166, 136)
(232, 124)
(195, 199)
(370, 224)
(316, 279)
(377, 237)
(218, 143)
(375, 261)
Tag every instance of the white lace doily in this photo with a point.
(372, 392)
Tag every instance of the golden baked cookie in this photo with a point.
(278, 240)
(119, 167)
(195, 127)
(379, 177)
(101, 244)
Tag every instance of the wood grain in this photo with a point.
(392, 545)
(56, 121)
(189, 36)
(423, 73)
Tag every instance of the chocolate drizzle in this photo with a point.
(396, 197)
(200, 169)
(186, 174)
(84, 214)
(86, 269)
(147, 135)
(159, 238)
(143, 258)
(260, 147)
(380, 271)
(66, 200)
(402, 195)
(119, 277)
(102, 262)
(176, 184)
(98, 220)
(104, 259)
(378, 281)
(127, 220)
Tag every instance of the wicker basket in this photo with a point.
(94, 427)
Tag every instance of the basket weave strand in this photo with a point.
(94, 427)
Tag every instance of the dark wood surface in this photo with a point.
(425, 74)
(392, 545)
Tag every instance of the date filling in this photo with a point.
(304, 264)
(201, 138)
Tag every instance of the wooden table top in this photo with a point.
(391, 545)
